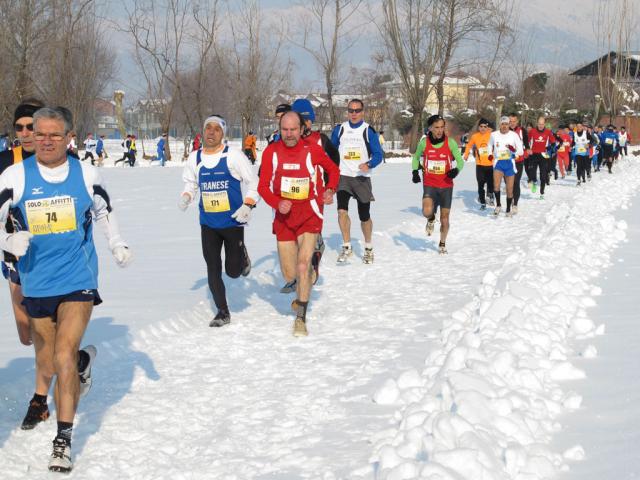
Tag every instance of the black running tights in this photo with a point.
(212, 241)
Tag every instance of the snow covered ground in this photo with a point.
(465, 366)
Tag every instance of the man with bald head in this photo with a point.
(289, 184)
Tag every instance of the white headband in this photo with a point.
(216, 119)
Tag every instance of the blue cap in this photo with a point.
(304, 108)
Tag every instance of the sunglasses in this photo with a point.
(20, 128)
(354, 110)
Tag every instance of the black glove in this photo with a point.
(416, 176)
(453, 173)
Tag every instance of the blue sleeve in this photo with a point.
(335, 136)
(376, 150)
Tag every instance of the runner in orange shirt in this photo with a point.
(478, 144)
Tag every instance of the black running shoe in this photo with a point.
(37, 412)
(222, 318)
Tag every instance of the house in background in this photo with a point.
(106, 121)
(615, 77)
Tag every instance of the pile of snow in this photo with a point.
(487, 402)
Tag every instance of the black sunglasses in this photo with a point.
(19, 128)
(354, 110)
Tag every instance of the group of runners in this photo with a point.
(541, 154)
(49, 201)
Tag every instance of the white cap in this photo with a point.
(504, 119)
(216, 119)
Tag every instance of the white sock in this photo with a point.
(368, 245)
(346, 244)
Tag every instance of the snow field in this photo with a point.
(173, 398)
(486, 403)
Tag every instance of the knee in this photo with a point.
(45, 366)
(364, 211)
(444, 221)
(427, 211)
(65, 361)
(343, 214)
(302, 267)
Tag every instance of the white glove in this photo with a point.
(242, 214)
(123, 255)
(184, 202)
(18, 243)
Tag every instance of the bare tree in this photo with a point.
(494, 44)
(614, 26)
(458, 20)
(158, 28)
(253, 63)
(410, 37)
(323, 35)
(55, 50)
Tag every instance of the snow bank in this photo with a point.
(488, 400)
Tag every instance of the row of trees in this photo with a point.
(199, 57)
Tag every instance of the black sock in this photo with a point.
(65, 429)
(432, 218)
(509, 200)
(83, 360)
(302, 309)
(497, 195)
(41, 399)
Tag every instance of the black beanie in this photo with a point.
(24, 110)
(433, 119)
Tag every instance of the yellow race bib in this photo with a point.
(216, 202)
(483, 151)
(582, 150)
(353, 155)
(504, 155)
(294, 188)
(436, 167)
(51, 215)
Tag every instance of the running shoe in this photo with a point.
(36, 413)
(289, 286)
(492, 200)
(315, 259)
(514, 209)
(300, 328)
(368, 256)
(578, 184)
(509, 214)
(346, 252)
(483, 206)
(442, 249)
(222, 318)
(541, 197)
(60, 460)
(497, 210)
(429, 227)
(85, 374)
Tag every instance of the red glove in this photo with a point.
(512, 148)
